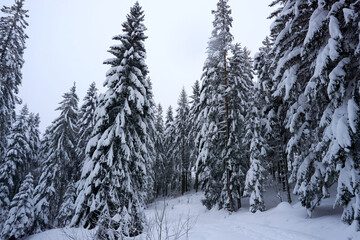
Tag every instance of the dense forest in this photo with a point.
(286, 118)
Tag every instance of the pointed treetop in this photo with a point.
(169, 115)
(70, 99)
(223, 20)
(183, 97)
(24, 110)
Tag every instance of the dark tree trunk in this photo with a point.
(196, 184)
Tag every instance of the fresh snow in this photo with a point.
(282, 222)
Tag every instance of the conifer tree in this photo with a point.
(262, 67)
(182, 149)
(60, 164)
(67, 208)
(150, 142)
(21, 215)
(159, 167)
(169, 161)
(195, 127)
(86, 122)
(288, 68)
(334, 84)
(214, 110)
(112, 189)
(255, 177)
(34, 142)
(16, 164)
(316, 78)
(239, 88)
(12, 45)
(223, 105)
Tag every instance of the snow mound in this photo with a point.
(64, 234)
(283, 206)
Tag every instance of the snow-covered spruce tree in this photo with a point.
(169, 161)
(114, 174)
(20, 219)
(60, 164)
(218, 134)
(255, 177)
(289, 32)
(12, 45)
(15, 165)
(150, 142)
(182, 150)
(323, 111)
(306, 109)
(159, 167)
(238, 90)
(336, 45)
(86, 122)
(262, 67)
(18, 150)
(34, 143)
(67, 208)
(195, 127)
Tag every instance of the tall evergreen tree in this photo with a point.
(12, 45)
(159, 167)
(223, 105)
(21, 215)
(334, 84)
(316, 78)
(14, 167)
(112, 189)
(239, 88)
(182, 149)
(214, 109)
(60, 164)
(262, 66)
(150, 142)
(255, 177)
(195, 127)
(169, 161)
(86, 122)
(289, 32)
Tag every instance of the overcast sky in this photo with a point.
(69, 39)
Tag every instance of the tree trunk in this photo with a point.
(285, 168)
(286, 180)
(196, 184)
(239, 199)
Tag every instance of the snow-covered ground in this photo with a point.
(283, 222)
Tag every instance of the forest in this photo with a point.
(286, 118)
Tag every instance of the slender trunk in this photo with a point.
(186, 180)
(239, 199)
(183, 167)
(285, 167)
(286, 179)
(279, 171)
(273, 170)
(196, 185)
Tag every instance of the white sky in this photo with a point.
(69, 39)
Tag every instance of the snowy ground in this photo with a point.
(283, 222)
